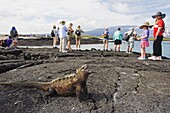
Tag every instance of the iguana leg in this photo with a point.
(79, 92)
(50, 92)
(85, 92)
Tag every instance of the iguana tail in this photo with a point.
(40, 85)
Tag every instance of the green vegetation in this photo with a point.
(164, 39)
(88, 37)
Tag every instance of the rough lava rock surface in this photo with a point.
(119, 83)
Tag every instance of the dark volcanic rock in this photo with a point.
(118, 83)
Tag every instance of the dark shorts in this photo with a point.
(118, 42)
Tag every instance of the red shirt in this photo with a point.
(160, 23)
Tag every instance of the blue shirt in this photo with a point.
(144, 33)
(118, 35)
(106, 33)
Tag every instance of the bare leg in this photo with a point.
(77, 43)
(115, 46)
(143, 52)
(107, 44)
(69, 44)
(118, 48)
(130, 50)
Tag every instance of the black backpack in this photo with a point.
(78, 32)
(52, 33)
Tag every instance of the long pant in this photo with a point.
(63, 43)
(157, 46)
(55, 40)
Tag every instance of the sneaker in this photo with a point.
(159, 58)
(152, 58)
(64, 51)
(141, 58)
(130, 53)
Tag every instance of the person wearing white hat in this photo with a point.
(63, 36)
(132, 35)
(144, 39)
(159, 29)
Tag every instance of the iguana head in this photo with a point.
(83, 72)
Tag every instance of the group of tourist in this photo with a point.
(131, 35)
(12, 40)
(64, 35)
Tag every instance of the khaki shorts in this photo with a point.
(69, 37)
(131, 44)
(55, 38)
(79, 37)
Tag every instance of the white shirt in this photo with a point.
(55, 32)
(63, 31)
(132, 38)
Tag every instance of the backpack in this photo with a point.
(127, 37)
(78, 33)
(14, 33)
(106, 35)
(52, 33)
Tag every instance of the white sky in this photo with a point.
(38, 16)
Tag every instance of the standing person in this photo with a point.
(78, 37)
(117, 37)
(54, 35)
(144, 39)
(70, 35)
(106, 39)
(14, 35)
(159, 29)
(63, 36)
(132, 35)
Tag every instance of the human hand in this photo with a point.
(155, 38)
(138, 38)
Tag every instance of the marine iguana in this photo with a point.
(68, 85)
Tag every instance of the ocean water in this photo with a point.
(165, 47)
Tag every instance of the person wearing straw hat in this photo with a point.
(159, 29)
(144, 39)
(63, 36)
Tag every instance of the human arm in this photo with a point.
(82, 31)
(159, 30)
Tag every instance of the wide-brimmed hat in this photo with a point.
(159, 14)
(146, 24)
